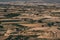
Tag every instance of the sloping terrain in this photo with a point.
(46, 1)
(25, 22)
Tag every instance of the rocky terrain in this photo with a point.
(29, 22)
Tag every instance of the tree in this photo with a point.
(1, 26)
(50, 24)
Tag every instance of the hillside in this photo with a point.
(46, 1)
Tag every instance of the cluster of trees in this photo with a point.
(12, 15)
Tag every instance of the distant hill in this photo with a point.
(46, 1)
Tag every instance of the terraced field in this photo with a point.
(29, 23)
